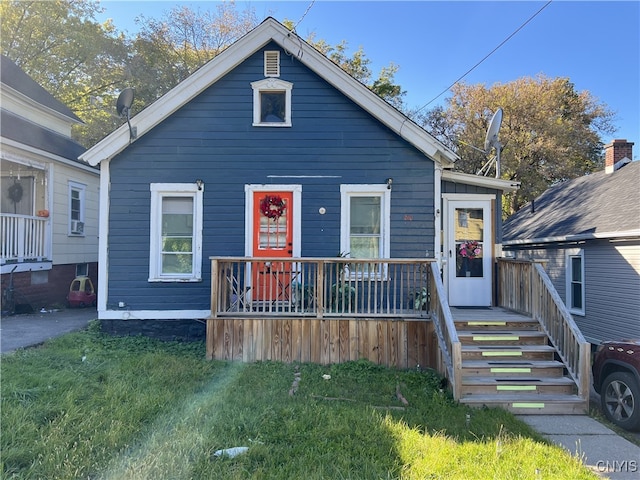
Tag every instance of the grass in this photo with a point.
(92, 406)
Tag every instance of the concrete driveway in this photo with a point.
(21, 331)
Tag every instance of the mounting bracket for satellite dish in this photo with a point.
(123, 107)
(491, 139)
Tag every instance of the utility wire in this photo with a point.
(486, 56)
(304, 14)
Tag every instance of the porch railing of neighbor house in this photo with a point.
(525, 287)
(23, 238)
(319, 287)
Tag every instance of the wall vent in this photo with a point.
(271, 63)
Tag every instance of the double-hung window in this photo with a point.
(365, 219)
(176, 232)
(575, 281)
(76, 208)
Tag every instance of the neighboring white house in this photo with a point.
(49, 199)
(587, 233)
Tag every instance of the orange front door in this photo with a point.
(272, 237)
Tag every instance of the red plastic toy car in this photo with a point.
(81, 293)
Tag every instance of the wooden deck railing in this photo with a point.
(450, 351)
(24, 238)
(320, 287)
(526, 288)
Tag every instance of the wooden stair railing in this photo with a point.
(450, 353)
(526, 288)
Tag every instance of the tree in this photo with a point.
(63, 48)
(550, 132)
(168, 50)
(358, 67)
(85, 64)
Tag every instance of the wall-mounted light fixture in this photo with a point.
(389, 182)
(199, 183)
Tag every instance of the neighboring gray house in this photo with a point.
(49, 198)
(587, 232)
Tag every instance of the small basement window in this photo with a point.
(271, 103)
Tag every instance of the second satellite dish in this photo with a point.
(123, 107)
(491, 139)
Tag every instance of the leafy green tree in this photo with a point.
(550, 132)
(86, 64)
(358, 66)
(166, 51)
(63, 48)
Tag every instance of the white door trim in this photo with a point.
(449, 200)
(248, 214)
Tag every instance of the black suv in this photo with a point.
(616, 377)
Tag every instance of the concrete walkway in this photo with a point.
(21, 331)
(600, 448)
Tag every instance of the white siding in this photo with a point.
(74, 249)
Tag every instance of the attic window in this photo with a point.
(271, 103)
(271, 63)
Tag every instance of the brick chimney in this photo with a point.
(616, 151)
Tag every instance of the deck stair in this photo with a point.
(507, 361)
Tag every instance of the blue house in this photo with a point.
(277, 207)
(272, 150)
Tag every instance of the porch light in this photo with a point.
(199, 183)
(389, 182)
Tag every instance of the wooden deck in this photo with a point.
(486, 313)
(394, 342)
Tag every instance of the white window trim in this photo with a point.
(81, 188)
(158, 191)
(576, 252)
(271, 85)
(349, 190)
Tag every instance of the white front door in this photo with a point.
(469, 252)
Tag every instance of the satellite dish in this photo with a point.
(123, 107)
(491, 139)
(125, 100)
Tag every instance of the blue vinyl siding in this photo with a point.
(212, 138)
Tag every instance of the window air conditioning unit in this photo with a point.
(77, 226)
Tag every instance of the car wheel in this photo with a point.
(620, 399)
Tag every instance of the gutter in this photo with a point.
(629, 234)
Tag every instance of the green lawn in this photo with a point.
(92, 406)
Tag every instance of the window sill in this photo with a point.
(174, 280)
(272, 124)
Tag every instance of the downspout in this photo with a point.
(437, 213)
(103, 235)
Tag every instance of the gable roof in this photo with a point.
(25, 132)
(13, 76)
(600, 205)
(270, 30)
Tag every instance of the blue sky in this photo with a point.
(596, 44)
